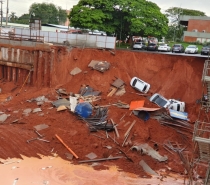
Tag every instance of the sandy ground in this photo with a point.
(56, 171)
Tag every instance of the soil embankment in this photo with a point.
(173, 76)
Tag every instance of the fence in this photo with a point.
(81, 40)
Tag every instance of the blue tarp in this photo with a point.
(178, 114)
(83, 109)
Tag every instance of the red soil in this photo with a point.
(174, 76)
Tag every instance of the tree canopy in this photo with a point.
(176, 30)
(120, 17)
(47, 13)
(174, 13)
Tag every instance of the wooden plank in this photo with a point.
(114, 90)
(17, 65)
(129, 129)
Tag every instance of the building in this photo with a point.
(198, 28)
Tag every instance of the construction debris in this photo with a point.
(91, 155)
(70, 150)
(60, 102)
(41, 127)
(75, 71)
(98, 120)
(3, 117)
(146, 149)
(102, 159)
(147, 169)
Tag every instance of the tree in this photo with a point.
(13, 17)
(120, 17)
(23, 19)
(173, 15)
(47, 13)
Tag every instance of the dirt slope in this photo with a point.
(171, 76)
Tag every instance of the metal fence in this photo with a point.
(80, 40)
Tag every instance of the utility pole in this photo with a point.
(1, 12)
(7, 12)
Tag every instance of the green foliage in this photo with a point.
(13, 17)
(120, 17)
(47, 13)
(24, 19)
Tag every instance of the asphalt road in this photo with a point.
(170, 53)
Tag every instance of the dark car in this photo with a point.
(205, 50)
(178, 48)
(152, 47)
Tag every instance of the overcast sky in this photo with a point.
(22, 6)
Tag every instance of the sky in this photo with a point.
(22, 6)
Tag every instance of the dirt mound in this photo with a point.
(174, 76)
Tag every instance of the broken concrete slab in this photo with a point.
(147, 169)
(27, 111)
(91, 155)
(118, 83)
(75, 71)
(37, 110)
(3, 118)
(146, 149)
(99, 65)
(60, 102)
(41, 127)
(93, 63)
(62, 107)
(69, 156)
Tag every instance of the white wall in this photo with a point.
(94, 41)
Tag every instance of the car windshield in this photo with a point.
(159, 101)
(152, 44)
(163, 44)
(177, 45)
(191, 46)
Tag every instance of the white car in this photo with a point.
(191, 49)
(164, 47)
(96, 32)
(139, 45)
(176, 105)
(159, 100)
(139, 85)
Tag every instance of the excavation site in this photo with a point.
(69, 116)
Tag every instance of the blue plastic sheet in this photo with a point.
(84, 109)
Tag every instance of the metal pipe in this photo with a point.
(102, 159)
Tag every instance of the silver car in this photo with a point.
(139, 46)
(159, 100)
(191, 49)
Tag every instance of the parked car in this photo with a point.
(152, 47)
(205, 50)
(191, 49)
(164, 47)
(140, 85)
(176, 105)
(139, 46)
(96, 32)
(178, 48)
(159, 100)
